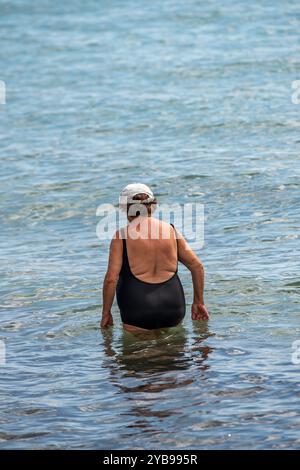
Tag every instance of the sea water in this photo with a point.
(197, 99)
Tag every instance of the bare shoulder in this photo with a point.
(161, 228)
(116, 241)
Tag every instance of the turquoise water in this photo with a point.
(194, 99)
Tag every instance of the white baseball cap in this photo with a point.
(131, 190)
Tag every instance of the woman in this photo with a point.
(142, 268)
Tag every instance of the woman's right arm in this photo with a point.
(189, 258)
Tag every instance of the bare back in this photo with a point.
(153, 255)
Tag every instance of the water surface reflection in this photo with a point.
(162, 350)
(152, 372)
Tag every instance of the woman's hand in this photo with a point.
(199, 312)
(107, 320)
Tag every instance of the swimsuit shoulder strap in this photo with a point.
(176, 244)
(125, 264)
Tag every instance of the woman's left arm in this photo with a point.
(111, 279)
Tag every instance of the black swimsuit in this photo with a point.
(149, 305)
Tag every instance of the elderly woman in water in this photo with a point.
(142, 269)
